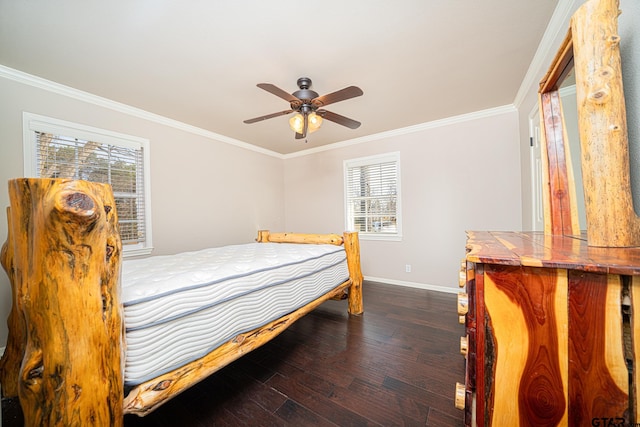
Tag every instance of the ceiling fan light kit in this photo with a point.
(296, 123)
(307, 105)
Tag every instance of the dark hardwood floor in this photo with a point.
(395, 365)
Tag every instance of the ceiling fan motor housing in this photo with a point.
(306, 95)
(304, 82)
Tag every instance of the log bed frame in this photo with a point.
(65, 351)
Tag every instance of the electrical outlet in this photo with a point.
(407, 268)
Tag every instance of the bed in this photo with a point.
(92, 338)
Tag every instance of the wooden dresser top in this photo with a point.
(536, 249)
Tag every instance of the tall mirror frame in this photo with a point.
(559, 194)
(591, 50)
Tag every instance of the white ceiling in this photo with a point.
(199, 61)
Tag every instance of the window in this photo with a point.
(57, 149)
(372, 192)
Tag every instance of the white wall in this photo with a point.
(203, 193)
(461, 175)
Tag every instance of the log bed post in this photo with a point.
(62, 255)
(352, 248)
(12, 357)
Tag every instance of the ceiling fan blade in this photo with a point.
(337, 118)
(277, 92)
(340, 95)
(268, 116)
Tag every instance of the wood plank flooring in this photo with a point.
(396, 365)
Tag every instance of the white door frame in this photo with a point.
(535, 163)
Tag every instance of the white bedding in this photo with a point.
(177, 308)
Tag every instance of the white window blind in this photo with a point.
(373, 196)
(62, 152)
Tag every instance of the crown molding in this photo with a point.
(408, 130)
(557, 27)
(57, 88)
(60, 89)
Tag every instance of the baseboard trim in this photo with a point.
(425, 286)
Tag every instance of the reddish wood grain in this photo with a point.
(539, 249)
(566, 298)
(471, 332)
(541, 397)
(593, 392)
(483, 395)
(560, 186)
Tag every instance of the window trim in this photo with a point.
(371, 160)
(32, 123)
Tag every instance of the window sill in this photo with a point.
(135, 252)
(375, 236)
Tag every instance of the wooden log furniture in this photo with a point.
(65, 352)
(551, 331)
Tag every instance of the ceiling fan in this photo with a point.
(308, 106)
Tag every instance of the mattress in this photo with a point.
(178, 308)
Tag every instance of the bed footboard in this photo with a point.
(351, 247)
